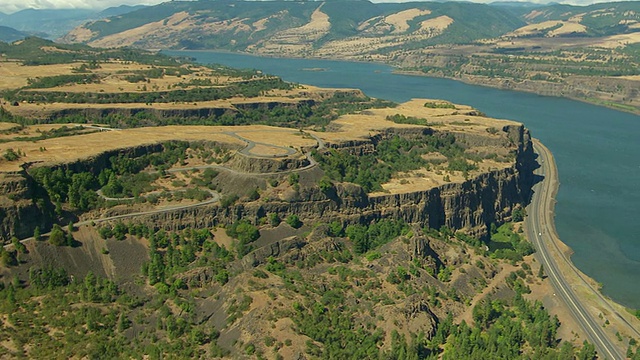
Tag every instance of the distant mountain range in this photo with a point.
(54, 23)
(8, 34)
(356, 27)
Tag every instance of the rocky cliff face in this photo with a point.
(19, 212)
(471, 205)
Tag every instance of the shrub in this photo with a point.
(294, 221)
(57, 236)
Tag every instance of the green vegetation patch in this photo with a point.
(60, 80)
(371, 236)
(507, 244)
(391, 156)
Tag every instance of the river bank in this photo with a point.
(531, 87)
(616, 320)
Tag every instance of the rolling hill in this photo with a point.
(8, 34)
(586, 52)
(53, 23)
(332, 28)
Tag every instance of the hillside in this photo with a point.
(8, 34)
(585, 52)
(241, 25)
(54, 23)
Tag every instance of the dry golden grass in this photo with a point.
(534, 28)
(621, 40)
(130, 37)
(113, 77)
(364, 45)
(14, 75)
(282, 137)
(437, 25)
(294, 40)
(400, 20)
(267, 150)
(71, 148)
(35, 130)
(6, 126)
(568, 28)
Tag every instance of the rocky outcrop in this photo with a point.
(471, 205)
(19, 213)
(252, 164)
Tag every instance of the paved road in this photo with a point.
(541, 231)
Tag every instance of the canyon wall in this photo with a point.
(472, 205)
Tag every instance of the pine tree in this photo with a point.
(57, 237)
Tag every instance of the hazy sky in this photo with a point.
(10, 6)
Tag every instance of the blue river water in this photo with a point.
(597, 151)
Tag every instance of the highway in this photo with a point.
(541, 232)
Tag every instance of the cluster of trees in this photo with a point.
(144, 75)
(438, 105)
(397, 154)
(394, 155)
(247, 89)
(12, 155)
(95, 317)
(506, 330)
(245, 233)
(377, 233)
(60, 80)
(123, 178)
(506, 244)
(171, 253)
(65, 186)
(401, 119)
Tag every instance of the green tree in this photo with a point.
(294, 221)
(20, 248)
(70, 239)
(8, 257)
(588, 352)
(274, 219)
(57, 237)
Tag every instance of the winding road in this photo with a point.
(542, 233)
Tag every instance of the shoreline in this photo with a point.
(583, 100)
(615, 317)
(399, 71)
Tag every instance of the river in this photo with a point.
(597, 151)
